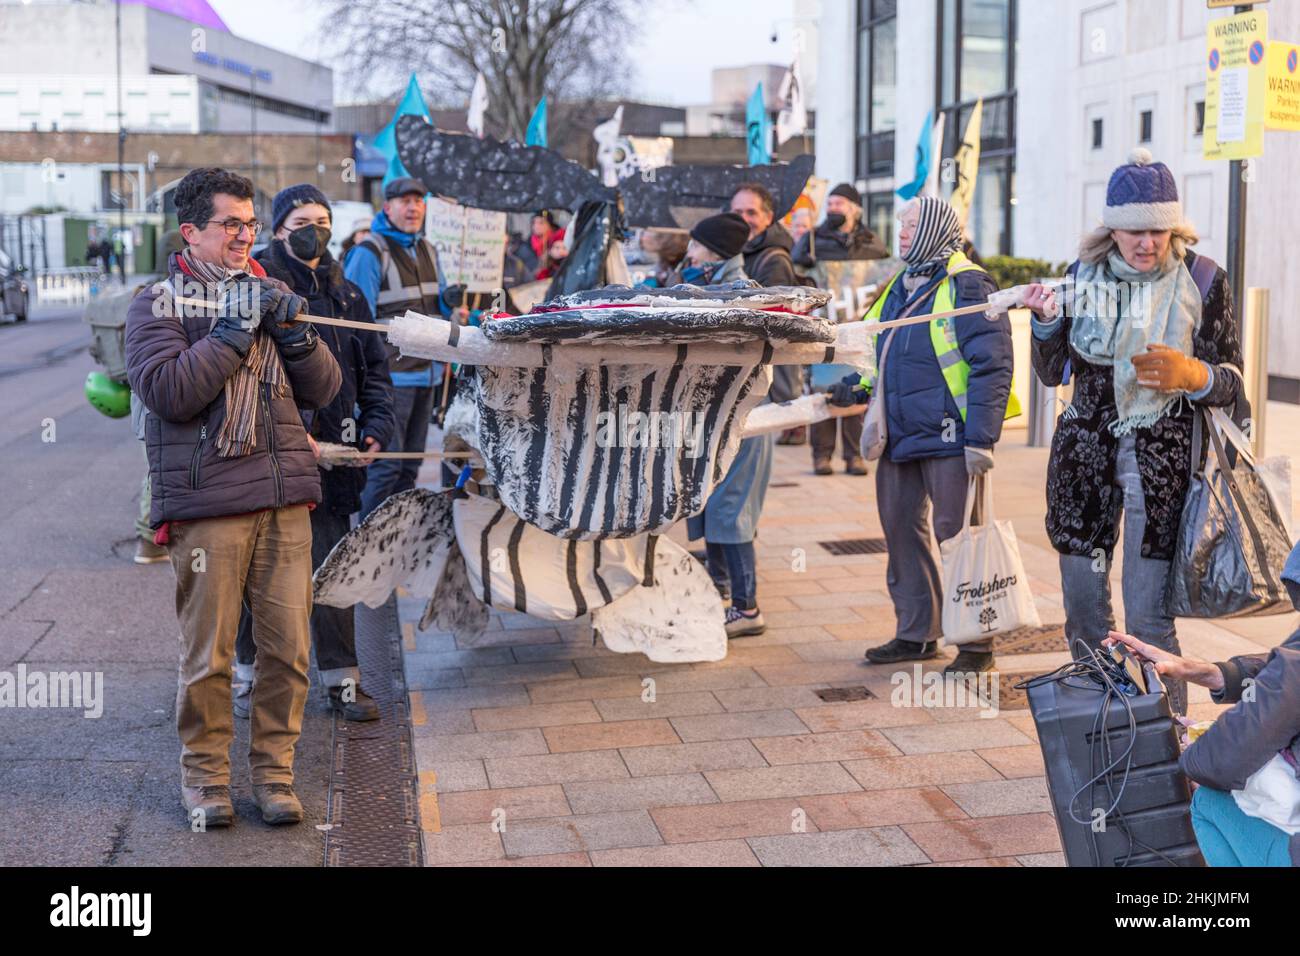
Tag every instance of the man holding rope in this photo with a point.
(233, 477)
(395, 269)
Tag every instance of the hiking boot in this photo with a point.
(857, 465)
(970, 662)
(241, 698)
(822, 465)
(146, 552)
(901, 650)
(278, 803)
(212, 803)
(794, 436)
(744, 623)
(362, 709)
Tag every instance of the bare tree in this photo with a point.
(570, 50)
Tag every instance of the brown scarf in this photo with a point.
(238, 433)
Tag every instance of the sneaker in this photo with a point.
(970, 662)
(212, 803)
(822, 466)
(241, 698)
(857, 465)
(793, 436)
(744, 623)
(362, 709)
(901, 650)
(278, 803)
(146, 552)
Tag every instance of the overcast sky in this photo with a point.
(679, 41)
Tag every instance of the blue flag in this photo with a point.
(923, 159)
(758, 129)
(386, 140)
(536, 135)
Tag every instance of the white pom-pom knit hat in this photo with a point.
(1142, 195)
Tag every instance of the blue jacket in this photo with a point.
(920, 409)
(361, 268)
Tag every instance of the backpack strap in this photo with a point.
(1203, 270)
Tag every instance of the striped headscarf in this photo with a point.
(238, 433)
(938, 236)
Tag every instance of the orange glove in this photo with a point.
(1169, 370)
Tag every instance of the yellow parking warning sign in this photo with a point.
(1282, 106)
(1235, 86)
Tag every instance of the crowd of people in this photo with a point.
(235, 401)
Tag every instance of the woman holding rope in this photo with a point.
(946, 387)
(1148, 332)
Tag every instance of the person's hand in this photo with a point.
(1168, 370)
(294, 339)
(844, 395)
(371, 446)
(461, 315)
(1169, 665)
(978, 460)
(315, 448)
(237, 317)
(1041, 300)
(234, 331)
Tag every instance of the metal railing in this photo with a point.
(74, 285)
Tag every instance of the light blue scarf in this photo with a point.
(1117, 311)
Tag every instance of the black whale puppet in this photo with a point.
(510, 177)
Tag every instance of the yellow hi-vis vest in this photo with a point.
(955, 369)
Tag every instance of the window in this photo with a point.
(880, 216)
(976, 60)
(1143, 120)
(1096, 133)
(877, 87)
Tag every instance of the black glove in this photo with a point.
(847, 393)
(236, 320)
(454, 296)
(294, 339)
(236, 332)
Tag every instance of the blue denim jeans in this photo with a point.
(1085, 582)
(1228, 837)
(736, 565)
(413, 408)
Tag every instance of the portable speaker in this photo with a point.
(1146, 793)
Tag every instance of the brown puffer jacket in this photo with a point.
(179, 373)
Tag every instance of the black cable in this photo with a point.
(1105, 672)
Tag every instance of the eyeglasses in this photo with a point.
(233, 226)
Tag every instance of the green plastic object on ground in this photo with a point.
(109, 396)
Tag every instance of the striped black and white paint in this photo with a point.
(538, 428)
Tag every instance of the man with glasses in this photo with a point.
(232, 476)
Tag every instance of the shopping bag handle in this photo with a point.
(985, 490)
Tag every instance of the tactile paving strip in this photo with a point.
(373, 817)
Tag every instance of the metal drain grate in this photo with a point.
(855, 546)
(374, 801)
(836, 695)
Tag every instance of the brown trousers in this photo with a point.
(264, 558)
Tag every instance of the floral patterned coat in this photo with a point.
(1083, 501)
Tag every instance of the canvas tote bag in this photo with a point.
(985, 590)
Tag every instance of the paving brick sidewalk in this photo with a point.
(537, 748)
